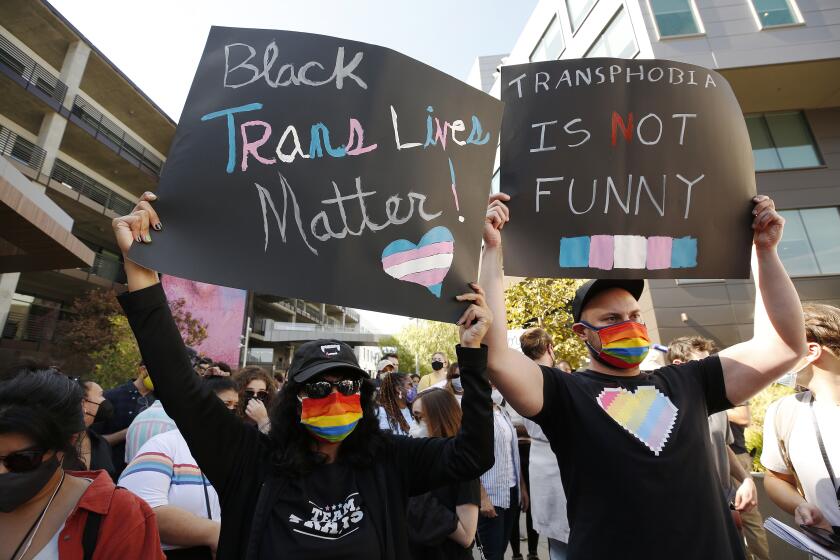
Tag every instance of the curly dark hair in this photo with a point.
(245, 376)
(389, 399)
(294, 447)
(43, 404)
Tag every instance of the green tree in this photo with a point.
(754, 434)
(546, 303)
(424, 338)
(88, 328)
(98, 341)
(116, 362)
(403, 354)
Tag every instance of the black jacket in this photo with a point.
(237, 459)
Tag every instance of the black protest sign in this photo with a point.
(331, 170)
(624, 169)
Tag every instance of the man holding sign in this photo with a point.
(623, 170)
(628, 442)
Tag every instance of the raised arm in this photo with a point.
(428, 463)
(778, 341)
(517, 378)
(202, 418)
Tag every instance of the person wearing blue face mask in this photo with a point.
(396, 393)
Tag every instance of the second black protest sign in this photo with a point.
(624, 169)
(315, 167)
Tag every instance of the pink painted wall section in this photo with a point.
(223, 309)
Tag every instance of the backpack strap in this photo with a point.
(91, 534)
(786, 413)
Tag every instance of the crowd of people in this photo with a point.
(191, 459)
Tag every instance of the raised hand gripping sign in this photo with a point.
(625, 169)
(314, 167)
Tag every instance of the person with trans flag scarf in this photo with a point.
(325, 482)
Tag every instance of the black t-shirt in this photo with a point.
(321, 516)
(450, 497)
(635, 459)
(738, 444)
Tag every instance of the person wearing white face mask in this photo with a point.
(801, 447)
(453, 382)
(441, 523)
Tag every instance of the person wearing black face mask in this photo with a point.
(439, 364)
(44, 508)
(92, 451)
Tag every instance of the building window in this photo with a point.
(808, 246)
(675, 17)
(578, 10)
(617, 40)
(782, 141)
(775, 12)
(550, 45)
(260, 355)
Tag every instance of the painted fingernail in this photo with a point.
(147, 238)
(158, 227)
(138, 239)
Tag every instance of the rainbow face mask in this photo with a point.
(623, 345)
(332, 418)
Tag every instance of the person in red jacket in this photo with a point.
(46, 511)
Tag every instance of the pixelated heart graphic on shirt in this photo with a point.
(647, 414)
(425, 263)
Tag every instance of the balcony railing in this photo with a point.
(91, 188)
(31, 75)
(108, 267)
(32, 323)
(270, 325)
(109, 130)
(21, 149)
(352, 313)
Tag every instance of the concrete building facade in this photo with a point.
(782, 58)
(93, 142)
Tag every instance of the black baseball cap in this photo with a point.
(594, 287)
(322, 355)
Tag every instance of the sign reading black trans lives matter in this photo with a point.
(625, 169)
(315, 167)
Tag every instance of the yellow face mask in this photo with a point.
(147, 383)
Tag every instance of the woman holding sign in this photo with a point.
(326, 482)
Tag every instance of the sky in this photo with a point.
(158, 43)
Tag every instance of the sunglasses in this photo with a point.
(322, 389)
(260, 395)
(24, 460)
